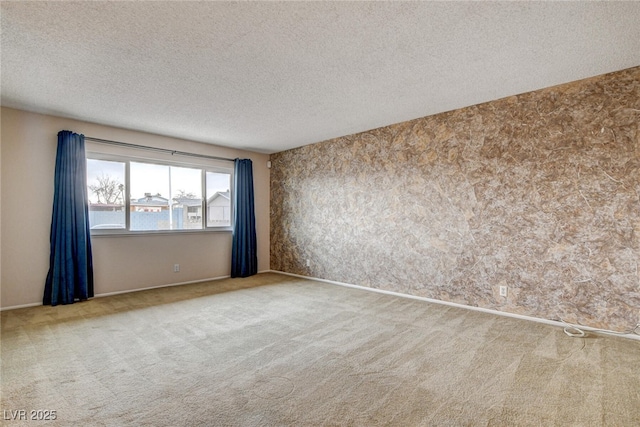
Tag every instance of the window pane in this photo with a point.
(105, 188)
(218, 199)
(186, 197)
(165, 197)
(149, 197)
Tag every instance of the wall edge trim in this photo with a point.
(107, 294)
(189, 282)
(454, 304)
(15, 307)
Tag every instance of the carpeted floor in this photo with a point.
(274, 350)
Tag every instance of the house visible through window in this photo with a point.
(218, 199)
(140, 196)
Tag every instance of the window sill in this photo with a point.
(122, 233)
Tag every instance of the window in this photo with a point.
(218, 199)
(132, 195)
(105, 185)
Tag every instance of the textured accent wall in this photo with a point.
(539, 192)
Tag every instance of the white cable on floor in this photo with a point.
(575, 331)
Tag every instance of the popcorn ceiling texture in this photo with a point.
(539, 192)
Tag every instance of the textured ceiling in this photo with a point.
(271, 76)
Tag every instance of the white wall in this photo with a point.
(28, 150)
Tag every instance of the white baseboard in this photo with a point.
(190, 282)
(171, 284)
(365, 288)
(107, 294)
(15, 307)
(467, 307)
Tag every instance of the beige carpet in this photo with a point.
(273, 350)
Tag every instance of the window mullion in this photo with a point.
(203, 197)
(127, 201)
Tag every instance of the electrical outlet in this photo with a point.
(176, 268)
(308, 262)
(503, 291)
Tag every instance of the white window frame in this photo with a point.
(204, 168)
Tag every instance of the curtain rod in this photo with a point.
(162, 150)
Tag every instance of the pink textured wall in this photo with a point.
(539, 192)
